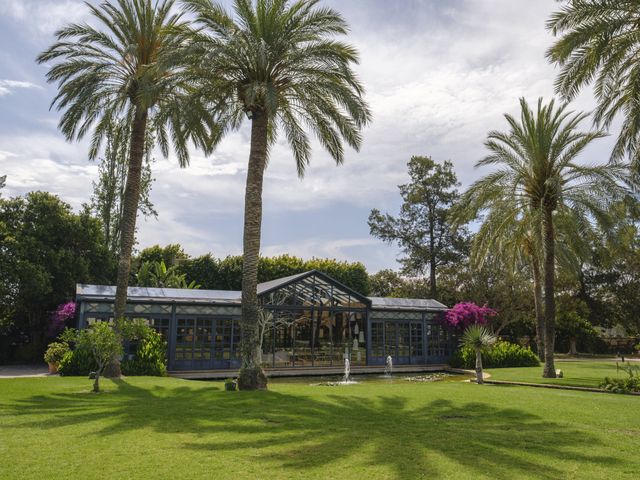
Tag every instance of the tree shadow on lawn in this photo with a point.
(297, 432)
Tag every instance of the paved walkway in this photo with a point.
(19, 371)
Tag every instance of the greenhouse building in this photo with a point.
(308, 321)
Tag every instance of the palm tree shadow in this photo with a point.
(296, 432)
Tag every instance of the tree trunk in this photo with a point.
(251, 376)
(537, 300)
(128, 222)
(573, 347)
(549, 293)
(432, 264)
(479, 377)
(96, 382)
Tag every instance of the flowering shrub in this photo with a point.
(467, 313)
(59, 318)
(501, 355)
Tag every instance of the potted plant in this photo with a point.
(230, 385)
(53, 355)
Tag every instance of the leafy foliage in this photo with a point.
(423, 228)
(56, 352)
(107, 200)
(156, 274)
(226, 274)
(623, 385)
(598, 45)
(281, 60)
(501, 355)
(45, 249)
(150, 357)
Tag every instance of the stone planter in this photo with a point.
(53, 368)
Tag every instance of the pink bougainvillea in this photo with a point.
(467, 313)
(59, 318)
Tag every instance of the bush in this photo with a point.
(77, 362)
(149, 357)
(56, 352)
(501, 355)
(623, 385)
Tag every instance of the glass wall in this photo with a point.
(408, 337)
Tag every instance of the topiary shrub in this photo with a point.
(501, 355)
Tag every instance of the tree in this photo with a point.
(423, 228)
(107, 200)
(478, 337)
(45, 249)
(279, 64)
(102, 341)
(156, 274)
(3, 181)
(129, 68)
(537, 169)
(599, 41)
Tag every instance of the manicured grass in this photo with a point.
(577, 373)
(169, 428)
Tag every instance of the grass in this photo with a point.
(168, 428)
(576, 373)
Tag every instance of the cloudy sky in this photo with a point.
(439, 75)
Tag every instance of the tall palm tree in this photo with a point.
(536, 169)
(278, 63)
(128, 68)
(478, 337)
(514, 231)
(599, 43)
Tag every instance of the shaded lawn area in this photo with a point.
(168, 428)
(577, 373)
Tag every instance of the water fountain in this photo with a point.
(388, 367)
(347, 371)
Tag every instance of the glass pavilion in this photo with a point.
(306, 320)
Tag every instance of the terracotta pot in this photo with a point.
(53, 368)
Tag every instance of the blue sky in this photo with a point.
(439, 75)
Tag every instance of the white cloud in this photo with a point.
(438, 77)
(44, 16)
(9, 86)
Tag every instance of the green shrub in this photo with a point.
(56, 352)
(77, 362)
(501, 355)
(623, 385)
(149, 357)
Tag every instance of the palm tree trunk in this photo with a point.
(130, 209)
(479, 375)
(549, 293)
(251, 376)
(128, 221)
(537, 301)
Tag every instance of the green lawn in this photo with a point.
(169, 428)
(577, 373)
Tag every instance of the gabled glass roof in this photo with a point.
(312, 288)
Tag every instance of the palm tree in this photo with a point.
(477, 337)
(599, 42)
(278, 63)
(515, 233)
(129, 68)
(537, 172)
